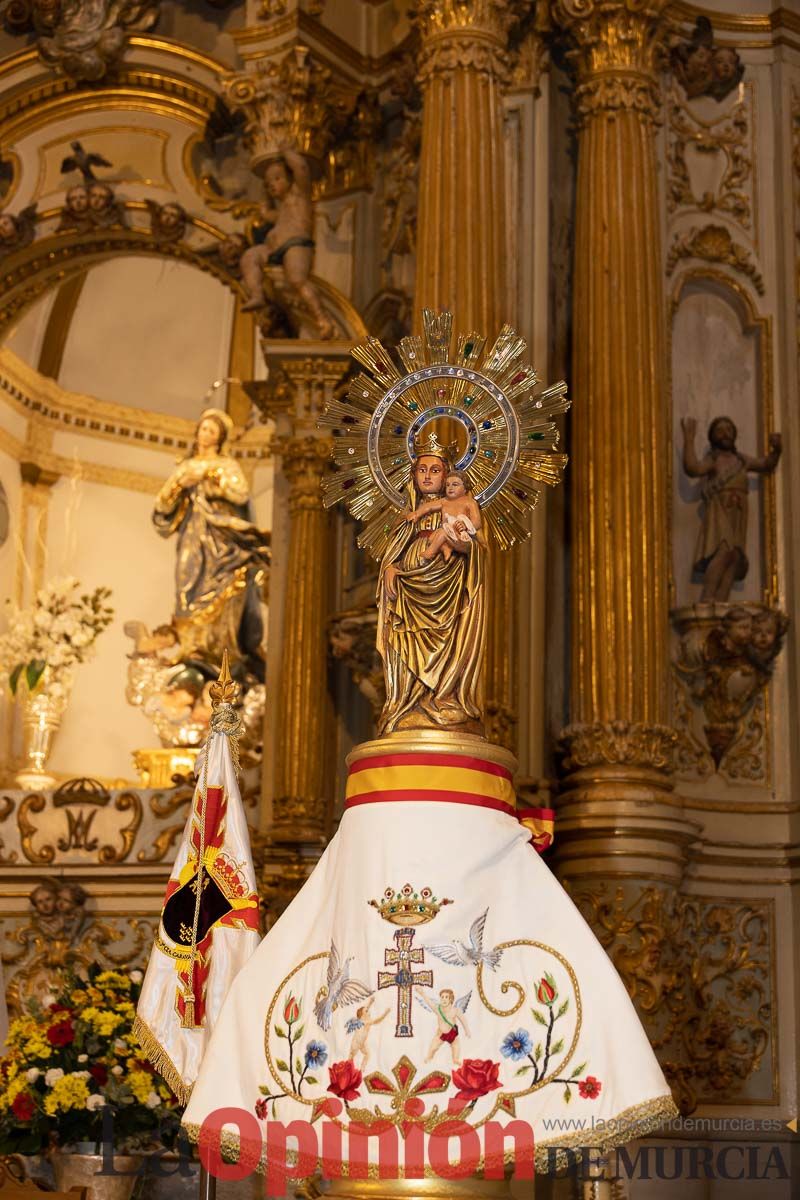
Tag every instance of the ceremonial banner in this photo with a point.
(208, 927)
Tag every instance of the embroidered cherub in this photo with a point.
(461, 518)
(449, 1014)
(360, 1026)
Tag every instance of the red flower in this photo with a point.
(99, 1074)
(546, 990)
(23, 1106)
(589, 1087)
(261, 1108)
(56, 1007)
(475, 1077)
(345, 1079)
(291, 1010)
(61, 1034)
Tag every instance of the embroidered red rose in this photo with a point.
(61, 1034)
(475, 1077)
(345, 1079)
(23, 1106)
(261, 1109)
(546, 991)
(589, 1087)
(99, 1074)
(291, 1010)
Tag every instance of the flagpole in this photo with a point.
(208, 1185)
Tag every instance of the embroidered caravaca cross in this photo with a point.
(405, 978)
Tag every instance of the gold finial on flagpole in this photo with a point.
(225, 689)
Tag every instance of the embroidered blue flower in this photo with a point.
(516, 1045)
(316, 1054)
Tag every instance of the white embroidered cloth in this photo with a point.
(561, 1046)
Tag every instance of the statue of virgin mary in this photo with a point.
(430, 618)
(222, 558)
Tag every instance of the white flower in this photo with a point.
(33, 1074)
(116, 1070)
(136, 976)
(95, 1101)
(83, 1058)
(47, 1001)
(80, 1075)
(120, 1045)
(53, 1075)
(153, 1100)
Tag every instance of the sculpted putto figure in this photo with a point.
(720, 554)
(289, 242)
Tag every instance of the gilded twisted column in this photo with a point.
(461, 241)
(300, 805)
(618, 747)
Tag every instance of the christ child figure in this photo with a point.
(360, 1026)
(461, 518)
(448, 1019)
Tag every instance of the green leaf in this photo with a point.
(311, 1079)
(522, 1070)
(567, 1094)
(563, 1009)
(298, 1066)
(558, 1046)
(537, 1054)
(264, 1090)
(281, 1065)
(537, 1016)
(299, 1031)
(279, 1032)
(34, 672)
(13, 678)
(578, 1071)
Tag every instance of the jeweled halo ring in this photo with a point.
(507, 438)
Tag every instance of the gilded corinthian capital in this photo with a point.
(465, 35)
(615, 50)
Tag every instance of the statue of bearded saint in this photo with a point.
(222, 558)
(431, 617)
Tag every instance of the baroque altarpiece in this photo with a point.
(203, 207)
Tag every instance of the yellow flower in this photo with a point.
(141, 1084)
(66, 1093)
(103, 1022)
(78, 997)
(125, 1009)
(12, 1091)
(113, 979)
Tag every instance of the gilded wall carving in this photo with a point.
(714, 244)
(710, 163)
(700, 970)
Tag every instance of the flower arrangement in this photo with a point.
(73, 1057)
(54, 633)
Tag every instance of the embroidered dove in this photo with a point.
(339, 989)
(461, 954)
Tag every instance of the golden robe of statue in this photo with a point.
(222, 557)
(430, 622)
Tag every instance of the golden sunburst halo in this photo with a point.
(507, 439)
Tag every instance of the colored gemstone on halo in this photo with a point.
(535, 437)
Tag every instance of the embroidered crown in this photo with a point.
(408, 907)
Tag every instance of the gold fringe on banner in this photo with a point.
(157, 1055)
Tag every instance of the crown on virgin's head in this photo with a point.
(432, 445)
(408, 906)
